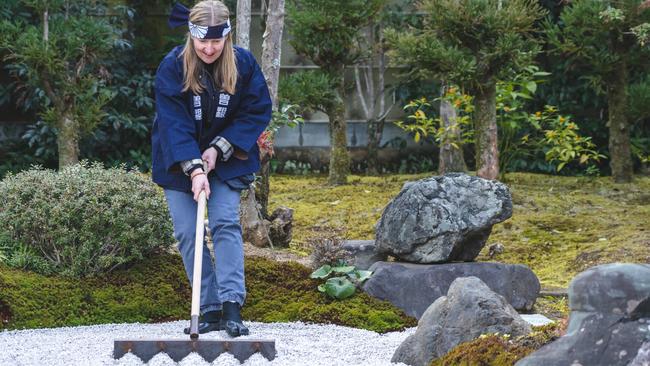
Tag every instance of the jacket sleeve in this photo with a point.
(175, 123)
(253, 114)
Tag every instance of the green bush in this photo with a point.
(81, 221)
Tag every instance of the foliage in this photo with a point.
(343, 285)
(468, 42)
(563, 139)
(156, 289)
(521, 132)
(599, 34)
(66, 69)
(84, 220)
(16, 155)
(326, 31)
(423, 126)
(639, 99)
(121, 126)
(513, 99)
(310, 90)
(287, 115)
(328, 250)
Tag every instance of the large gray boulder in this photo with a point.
(643, 356)
(442, 219)
(469, 310)
(609, 320)
(413, 287)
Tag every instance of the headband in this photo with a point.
(180, 16)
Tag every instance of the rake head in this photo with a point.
(178, 349)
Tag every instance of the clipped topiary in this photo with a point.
(82, 220)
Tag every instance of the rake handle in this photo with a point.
(198, 270)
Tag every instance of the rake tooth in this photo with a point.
(179, 350)
(242, 351)
(210, 352)
(267, 349)
(145, 350)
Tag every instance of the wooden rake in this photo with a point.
(177, 349)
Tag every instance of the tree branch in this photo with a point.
(357, 82)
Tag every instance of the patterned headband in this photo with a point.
(180, 16)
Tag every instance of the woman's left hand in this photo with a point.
(210, 157)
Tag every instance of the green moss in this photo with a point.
(149, 291)
(555, 308)
(158, 290)
(498, 350)
(560, 225)
(280, 292)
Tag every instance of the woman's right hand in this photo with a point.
(200, 183)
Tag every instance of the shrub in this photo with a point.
(82, 220)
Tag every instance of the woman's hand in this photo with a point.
(210, 157)
(200, 183)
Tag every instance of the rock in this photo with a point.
(413, 287)
(364, 253)
(255, 229)
(609, 319)
(469, 310)
(281, 228)
(441, 219)
(496, 248)
(643, 356)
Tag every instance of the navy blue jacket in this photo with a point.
(183, 128)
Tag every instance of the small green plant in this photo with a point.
(423, 125)
(562, 139)
(327, 250)
(287, 115)
(344, 284)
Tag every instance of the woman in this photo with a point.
(212, 104)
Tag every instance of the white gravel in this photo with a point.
(296, 344)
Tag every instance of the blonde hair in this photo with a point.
(209, 13)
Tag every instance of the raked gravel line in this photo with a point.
(296, 344)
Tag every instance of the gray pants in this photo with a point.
(223, 280)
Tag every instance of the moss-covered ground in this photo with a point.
(560, 225)
(499, 350)
(158, 290)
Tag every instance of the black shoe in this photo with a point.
(208, 322)
(231, 320)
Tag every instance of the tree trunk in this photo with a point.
(451, 158)
(339, 156)
(619, 131)
(374, 137)
(243, 23)
(271, 56)
(272, 47)
(68, 141)
(487, 148)
(254, 228)
(263, 188)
